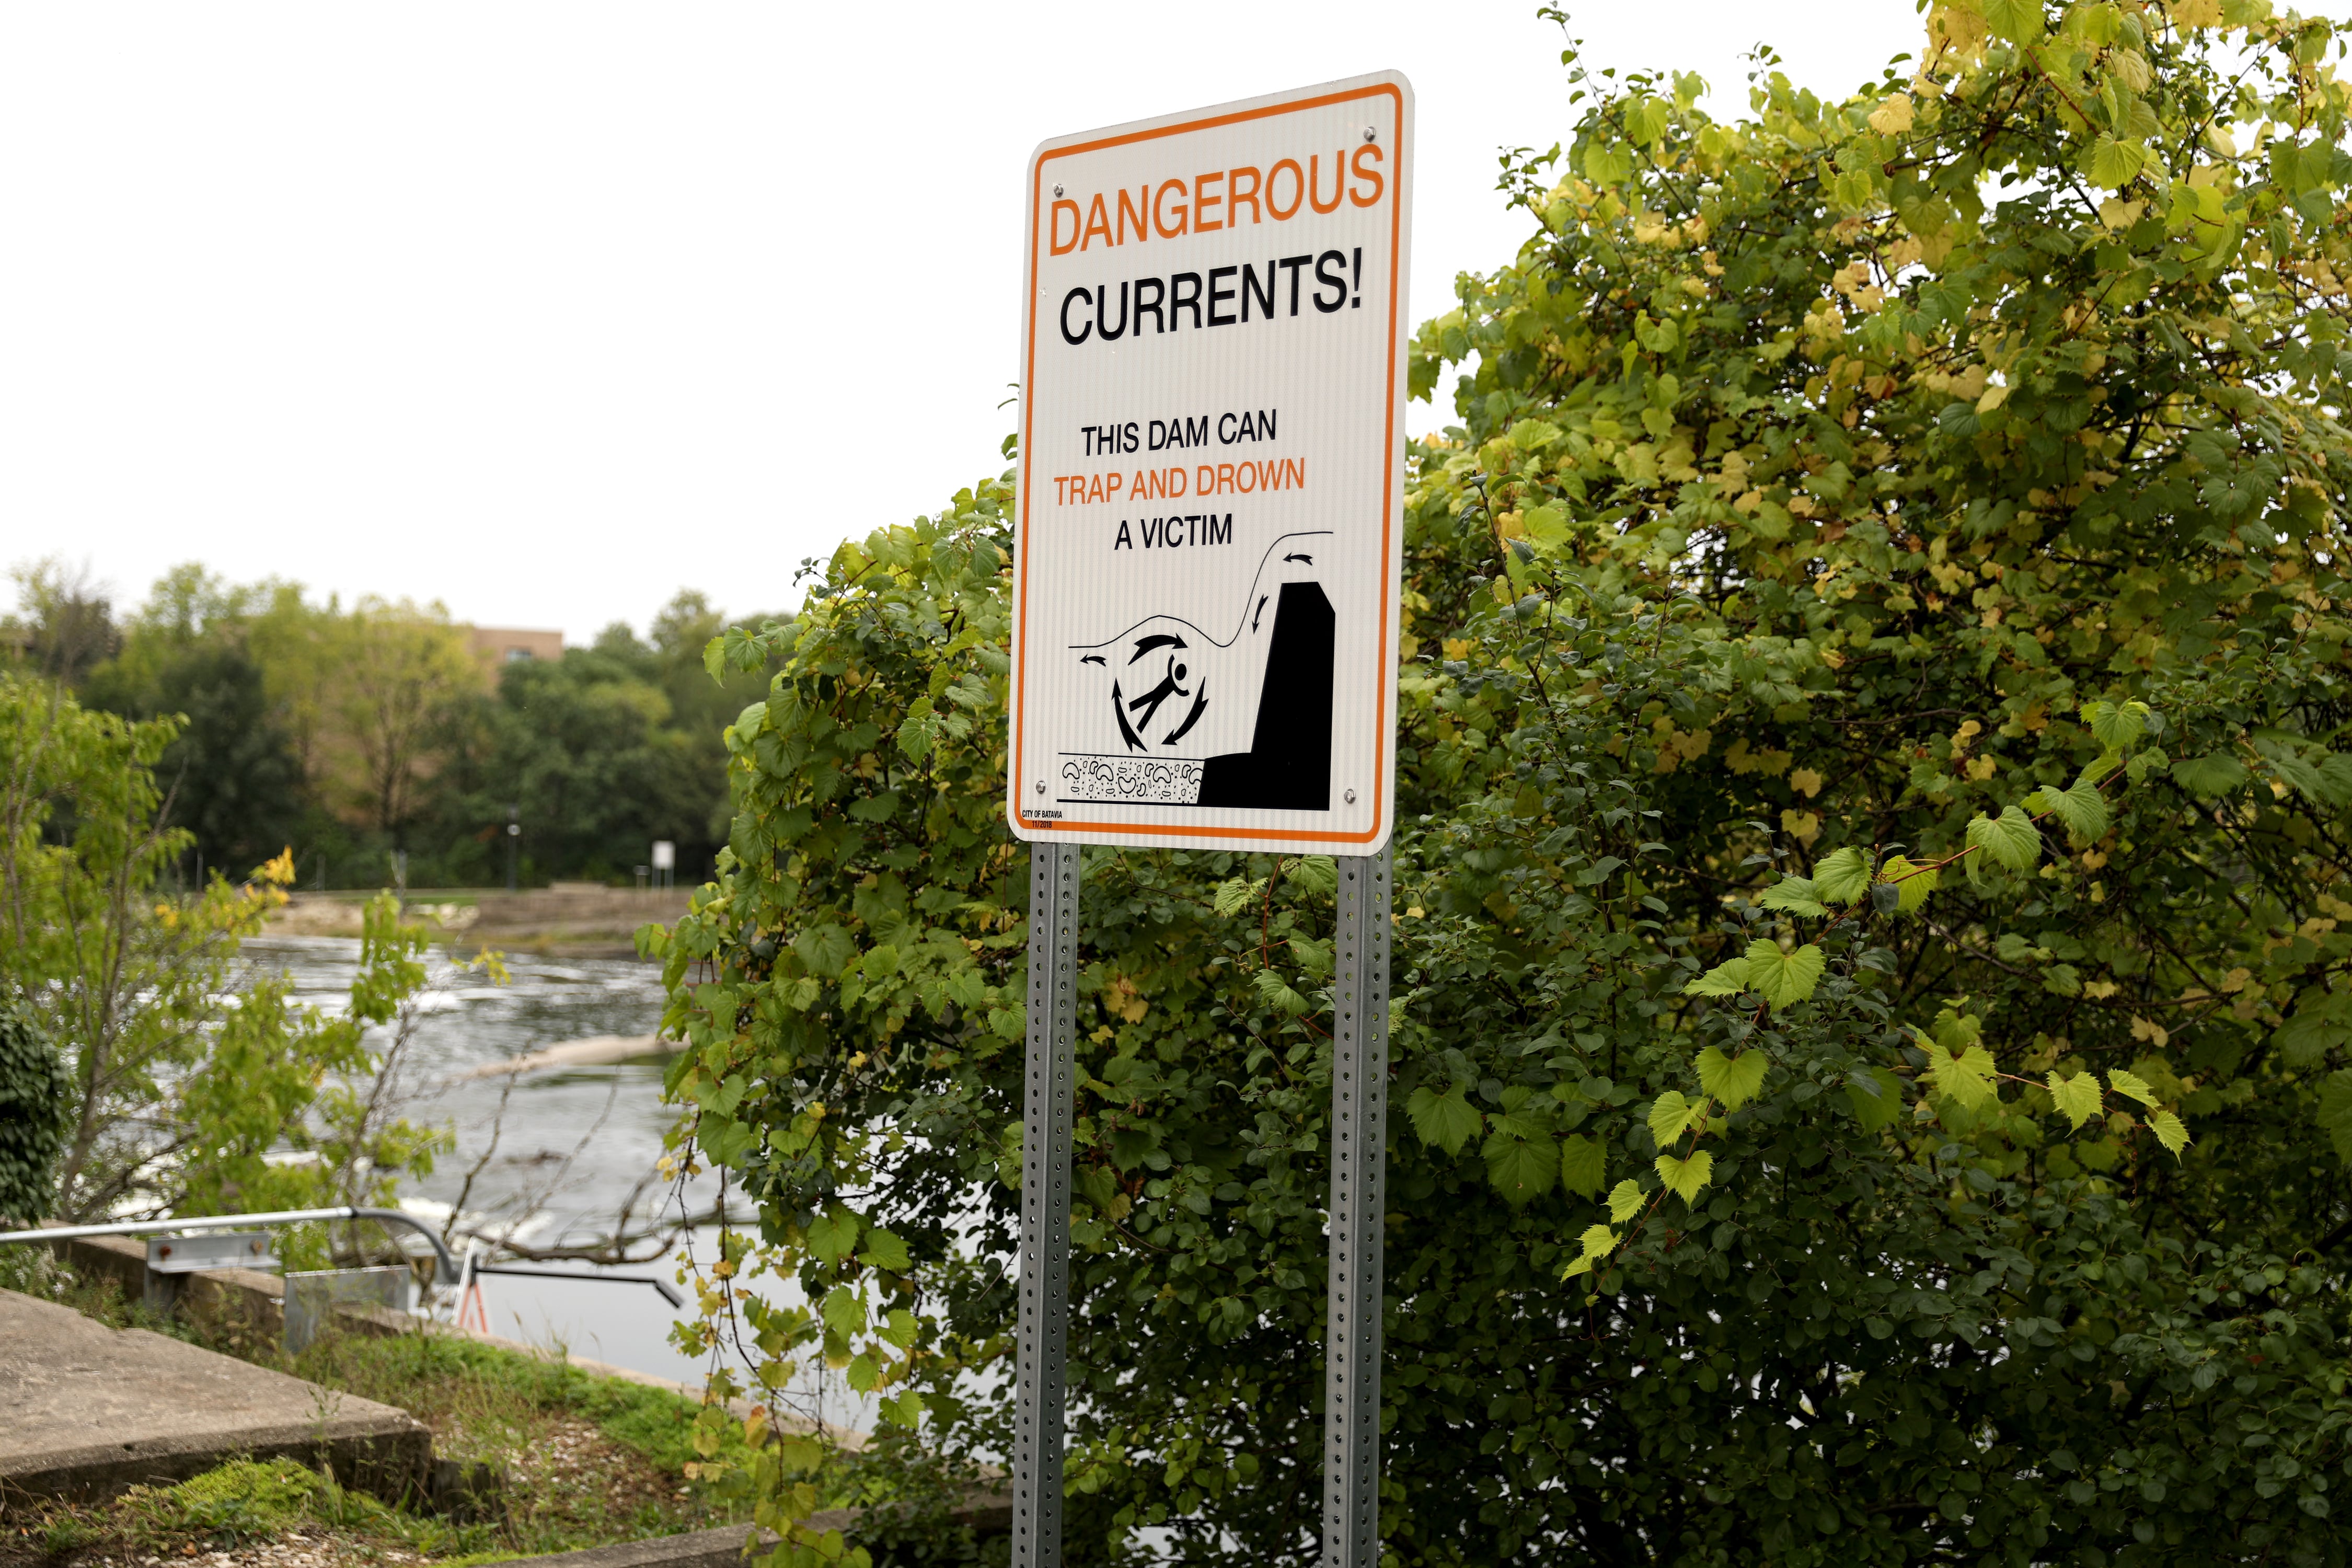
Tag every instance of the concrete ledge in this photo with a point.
(721, 1548)
(88, 1412)
(249, 1306)
(987, 1511)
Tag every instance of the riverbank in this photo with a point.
(570, 918)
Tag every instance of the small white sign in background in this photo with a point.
(1210, 525)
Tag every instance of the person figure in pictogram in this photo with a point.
(1171, 685)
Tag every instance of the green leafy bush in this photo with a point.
(1872, 1037)
(35, 1099)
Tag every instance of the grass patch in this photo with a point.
(583, 1460)
(584, 1456)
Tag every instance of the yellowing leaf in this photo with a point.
(1894, 114)
(1598, 1241)
(1785, 979)
(1672, 1115)
(2132, 1085)
(1547, 526)
(1796, 895)
(1912, 884)
(1232, 895)
(2169, 1131)
(2077, 1098)
(2114, 163)
(1734, 1080)
(1727, 979)
(1965, 1078)
(2019, 21)
(1685, 1177)
(1624, 1201)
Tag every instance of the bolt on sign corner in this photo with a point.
(1211, 523)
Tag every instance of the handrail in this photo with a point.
(445, 1267)
(668, 1294)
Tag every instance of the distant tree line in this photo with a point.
(353, 732)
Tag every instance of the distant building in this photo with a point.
(500, 646)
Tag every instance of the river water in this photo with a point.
(553, 1154)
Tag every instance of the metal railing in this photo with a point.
(445, 1271)
(446, 1268)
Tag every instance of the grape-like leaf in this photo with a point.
(1445, 1121)
(1842, 878)
(2318, 1026)
(2019, 21)
(1686, 1176)
(1734, 1080)
(1522, 1169)
(2009, 840)
(1728, 978)
(2209, 776)
(1316, 875)
(2114, 163)
(1580, 1165)
(844, 1312)
(1912, 883)
(1966, 1077)
(2080, 806)
(884, 1250)
(2077, 1098)
(2169, 1131)
(1785, 979)
(2132, 1085)
(1234, 895)
(1624, 1201)
(2115, 728)
(833, 1234)
(1279, 995)
(1672, 1115)
(1796, 895)
(1598, 1241)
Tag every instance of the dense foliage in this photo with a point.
(34, 1099)
(189, 1084)
(348, 734)
(1873, 1048)
(599, 753)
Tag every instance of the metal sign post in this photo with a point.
(1359, 1115)
(1207, 560)
(1046, 1205)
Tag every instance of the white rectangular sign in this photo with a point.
(1211, 523)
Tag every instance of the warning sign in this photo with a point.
(1210, 533)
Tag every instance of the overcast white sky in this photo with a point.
(548, 309)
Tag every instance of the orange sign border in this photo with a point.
(1384, 776)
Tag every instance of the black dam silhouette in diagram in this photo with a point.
(1184, 719)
